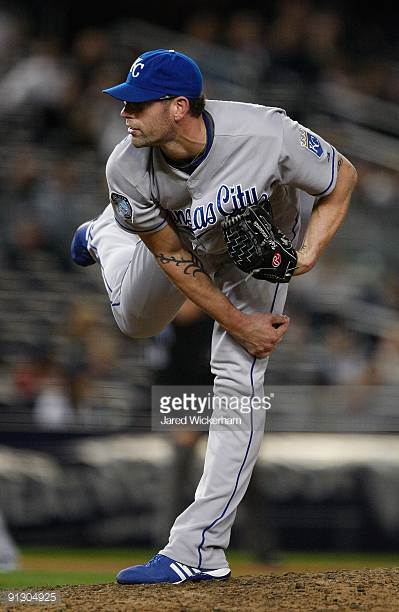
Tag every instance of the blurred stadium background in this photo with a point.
(78, 462)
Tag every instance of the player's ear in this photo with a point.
(181, 107)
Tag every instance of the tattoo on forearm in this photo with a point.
(192, 266)
(340, 162)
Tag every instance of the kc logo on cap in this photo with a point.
(137, 67)
(157, 74)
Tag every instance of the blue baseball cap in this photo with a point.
(159, 74)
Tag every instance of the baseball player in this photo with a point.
(204, 203)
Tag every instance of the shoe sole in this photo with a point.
(198, 575)
(202, 577)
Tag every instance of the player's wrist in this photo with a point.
(233, 320)
(307, 258)
(302, 268)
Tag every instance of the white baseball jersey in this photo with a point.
(256, 150)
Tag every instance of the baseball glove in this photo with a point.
(257, 246)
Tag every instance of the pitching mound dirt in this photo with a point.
(374, 589)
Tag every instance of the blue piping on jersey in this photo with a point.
(274, 298)
(332, 177)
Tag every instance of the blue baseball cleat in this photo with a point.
(79, 251)
(161, 569)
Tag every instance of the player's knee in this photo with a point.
(139, 329)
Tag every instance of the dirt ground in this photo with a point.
(369, 589)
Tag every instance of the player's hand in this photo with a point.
(260, 333)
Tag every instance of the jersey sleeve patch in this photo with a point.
(311, 142)
(122, 208)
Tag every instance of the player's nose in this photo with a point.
(127, 110)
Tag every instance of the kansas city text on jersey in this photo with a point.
(228, 201)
